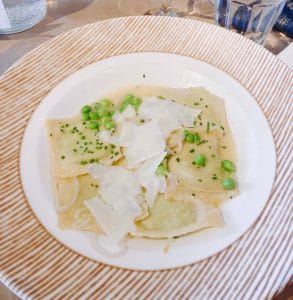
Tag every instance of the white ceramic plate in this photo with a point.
(253, 138)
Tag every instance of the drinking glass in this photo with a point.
(166, 9)
(19, 15)
(253, 19)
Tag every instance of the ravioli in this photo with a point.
(73, 146)
(172, 218)
(200, 182)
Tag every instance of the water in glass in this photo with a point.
(19, 15)
(254, 19)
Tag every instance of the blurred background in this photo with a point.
(63, 15)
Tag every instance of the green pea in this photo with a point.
(228, 184)
(106, 120)
(128, 98)
(186, 132)
(93, 124)
(109, 125)
(135, 106)
(228, 165)
(162, 170)
(122, 107)
(189, 138)
(105, 103)
(107, 114)
(135, 102)
(94, 115)
(200, 160)
(96, 106)
(85, 116)
(86, 109)
(102, 112)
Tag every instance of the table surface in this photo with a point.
(63, 15)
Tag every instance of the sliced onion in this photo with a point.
(61, 208)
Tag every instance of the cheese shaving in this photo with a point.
(127, 115)
(170, 115)
(115, 208)
(147, 141)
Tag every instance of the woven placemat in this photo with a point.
(36, 266)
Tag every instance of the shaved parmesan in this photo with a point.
(122, 139)
(170, 115)
(156, 185)
(147, 177)
(115, 183)
(152, 190)
(116, 223)
(147, 170)
(184, 114)
(127, 115)
(155, 109)
(116, 207)
(108, 247)
(146, 142)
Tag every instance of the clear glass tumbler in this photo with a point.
(166, 9)
(254, 19)
(19, 15)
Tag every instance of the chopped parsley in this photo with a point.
(214, 177)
